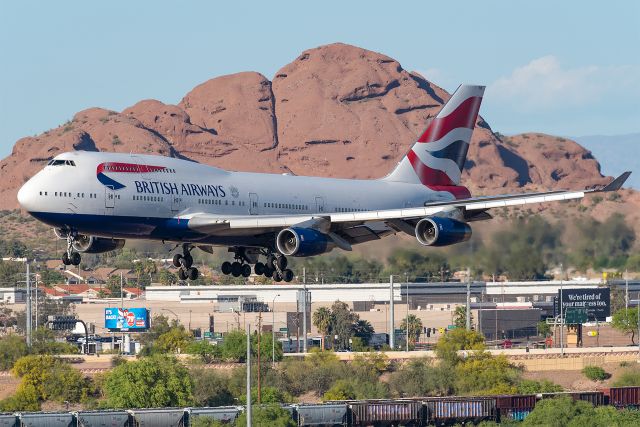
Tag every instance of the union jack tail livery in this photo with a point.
(436, 160)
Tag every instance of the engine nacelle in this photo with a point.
(436, 231)
(96, 245)
(302, 242)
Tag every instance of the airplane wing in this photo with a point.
(357, 227)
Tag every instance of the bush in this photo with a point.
(628, 378)
(544, 386)
(270, 415)
(595, 373)
(12, 348)
(211, 388)
(420, 378)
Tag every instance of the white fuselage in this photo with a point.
(134, 196)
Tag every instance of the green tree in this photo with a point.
(344, 321)
(543, 328)
(205, 351)
(211, 388)
(150, 382)
(234, 346)
(483, 373)
(44, 342)
(458, 339)
(323, 320)
(460, 317)
(50, 379)
(176, 340)
(10, 273)
(421, 264)
(50, 277)
(419, 377)
(267, 416)
(363, 329)
(626, 321)
(356, 388)
(167, 278)
(415, 327)
(12, 348)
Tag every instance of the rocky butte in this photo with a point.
(336, 110)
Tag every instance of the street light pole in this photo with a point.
(28, 313)
(406, 281)
(392, 332)
(249, 423)
(273, 330)
(561, 315)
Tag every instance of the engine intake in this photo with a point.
(96, 245)
(303, 242)
(436, 231)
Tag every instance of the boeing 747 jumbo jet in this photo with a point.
(97, 200)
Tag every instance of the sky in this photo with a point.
(569, 68)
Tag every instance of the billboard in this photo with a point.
(596, 302)
(126, 319)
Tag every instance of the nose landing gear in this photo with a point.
(184, 263)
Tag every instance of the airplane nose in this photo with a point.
(26, 196)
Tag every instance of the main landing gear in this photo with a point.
(71, 256)
(184, 263)
(274, 268)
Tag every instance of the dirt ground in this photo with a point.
(8, 385)
(575, 380)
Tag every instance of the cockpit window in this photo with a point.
(61, 163)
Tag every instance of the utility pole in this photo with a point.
(392, 332)
(122, 310)
(561, 315)
(273, 330)
(28, 311)
(626, 293)
(304, 319)
(249, 423)
(468, 324)
(258, 353)
(406, 281)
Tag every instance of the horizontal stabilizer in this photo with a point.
(617, 183)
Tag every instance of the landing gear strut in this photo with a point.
(184, 263)
(71, 256)
(275, 266)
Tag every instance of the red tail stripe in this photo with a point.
(435, 179)
(462, 117)
(427, 175)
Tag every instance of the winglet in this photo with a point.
(617, 183)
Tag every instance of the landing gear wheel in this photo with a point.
(271, 260)
(277, 277)
(268, 272)
(281, 262)
(75, 258)
(246, 270)
(192, 273)
(258, 268)
(226, 268)
(187, 261)
(236, 269)
(65, 259)
(287, 275)
(182, 275)
(176, 260)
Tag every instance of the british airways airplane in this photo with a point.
(97, 200)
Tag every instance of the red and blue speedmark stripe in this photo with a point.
(117, 167)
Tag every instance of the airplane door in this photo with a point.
(253, 204)
(109, 199)
(176, 203)
(319, 204)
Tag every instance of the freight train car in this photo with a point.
(385, 413)
(454, 410)
(164, 417)
(515, 407)
(623, 397)
(103, 418)
(8, 420)
(46, 419)
(326, 415)
(224, 414)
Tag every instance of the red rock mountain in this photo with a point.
(336, 110)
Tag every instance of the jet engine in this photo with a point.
(96, 245)
(436, 231)
(301, 242)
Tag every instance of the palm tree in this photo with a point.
(415, 327)
(323, 319)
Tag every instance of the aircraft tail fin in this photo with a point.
(437, 159)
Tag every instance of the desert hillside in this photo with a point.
(336, 110)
